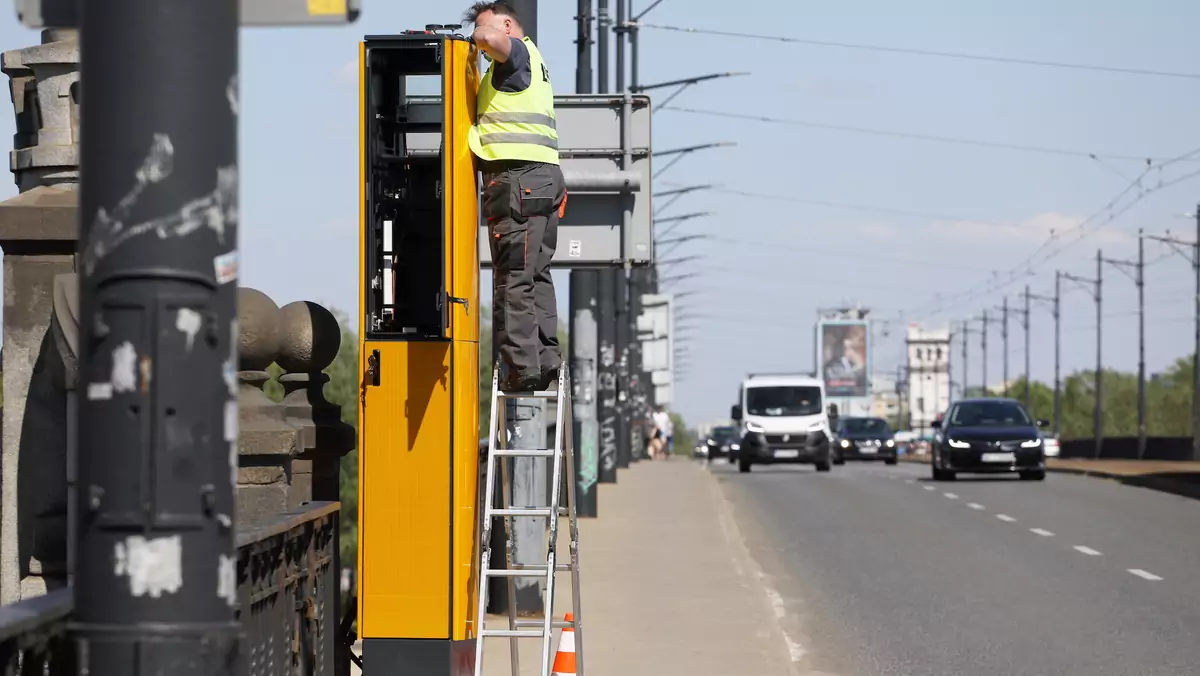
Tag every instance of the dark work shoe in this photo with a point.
(549, 380)
(525, 384)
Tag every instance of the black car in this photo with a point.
(988, 436)
(864, 439)
(723, 442)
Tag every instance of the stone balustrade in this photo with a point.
(289, 451)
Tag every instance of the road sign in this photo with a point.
(65, 13)
(608, 213)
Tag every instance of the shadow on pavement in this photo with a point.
(1183, 484)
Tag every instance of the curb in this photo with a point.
(1150, 481)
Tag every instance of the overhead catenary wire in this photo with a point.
(1043, 63)
(912, 135)
(854, 207)
(1080, 231)
(858, 255)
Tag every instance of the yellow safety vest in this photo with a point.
(517, 125)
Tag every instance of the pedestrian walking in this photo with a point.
(524, 195)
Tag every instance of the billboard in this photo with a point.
(844, 357)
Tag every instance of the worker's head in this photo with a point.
(498, 15)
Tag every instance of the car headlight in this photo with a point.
(890, 442)
(735, 447)
(754, 428)
(955, 443)
(1032, 443)
(844, 444)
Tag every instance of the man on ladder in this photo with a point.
(524, 195)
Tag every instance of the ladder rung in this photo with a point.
(528, 511)
(511, 633)
(526, 571)
(519, 453)
(541, 567)
(539, 394)
(557, 624)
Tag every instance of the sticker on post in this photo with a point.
(99, 391)
(575, 250)
(225, 267)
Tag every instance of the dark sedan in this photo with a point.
(988, 436)
(722, 442)
(864, 439)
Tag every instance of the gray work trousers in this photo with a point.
(522, 204)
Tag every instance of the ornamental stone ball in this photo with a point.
(310, 337)
(258, 330)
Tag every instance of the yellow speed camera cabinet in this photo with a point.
(419, 355)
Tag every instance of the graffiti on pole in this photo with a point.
(606, 387)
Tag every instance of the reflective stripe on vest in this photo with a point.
(517, 125)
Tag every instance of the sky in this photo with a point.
(916, 229)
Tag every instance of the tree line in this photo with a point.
(1168, 402)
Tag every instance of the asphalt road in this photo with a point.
(877, 570)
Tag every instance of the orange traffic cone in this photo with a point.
(564, 660)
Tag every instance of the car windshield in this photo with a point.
(785, 400)
(865, 426)
(989, 414)
(723, 433)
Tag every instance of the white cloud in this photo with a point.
(1034, 229)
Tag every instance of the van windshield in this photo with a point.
(786, 400)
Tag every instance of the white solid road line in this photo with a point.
(975, 505)
(1043, 533)
(929, 488)
(1144, 575)
(1086, 550)
(1006, 518)
(951, 496)
(908, 481)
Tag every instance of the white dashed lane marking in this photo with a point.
(1145, 575)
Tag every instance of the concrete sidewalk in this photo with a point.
(668, 587)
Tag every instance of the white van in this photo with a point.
(783, 419)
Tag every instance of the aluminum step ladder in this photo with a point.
(563, 472)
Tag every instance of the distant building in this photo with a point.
(928, 375)
(885, 400)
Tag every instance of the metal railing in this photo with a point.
(33, 636)
(287, 604)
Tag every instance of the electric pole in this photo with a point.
(155, 590)
(983, 331)
(1092, 286)
(583, 301)
(1057, 354)
(984, 328)
(1025, 328)
(1193, 257)
(1053, 300)
(1138, 277)
(1004, 340)
(966, 334)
